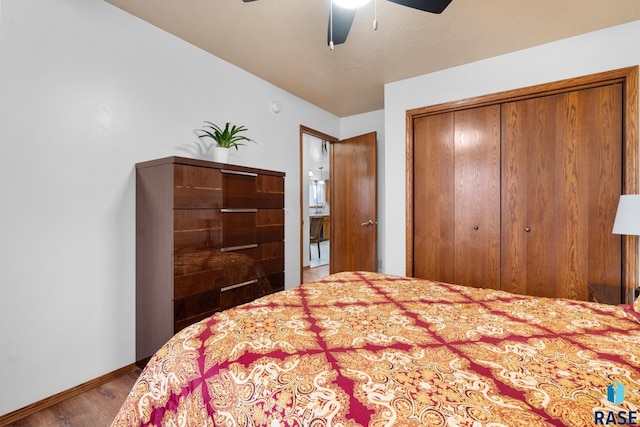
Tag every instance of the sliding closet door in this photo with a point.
(433, 242)
(477, 197)
(561, 178)
(457, 197)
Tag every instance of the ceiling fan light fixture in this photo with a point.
(350, 4)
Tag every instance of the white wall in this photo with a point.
(608, 49)
(86, 91)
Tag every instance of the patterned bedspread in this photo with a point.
(376, 350)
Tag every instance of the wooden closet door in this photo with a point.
(477, 197)
(561, 178)
(457, 197)
(433, 209)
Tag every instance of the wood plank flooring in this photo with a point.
(315, 273)
(96, 407)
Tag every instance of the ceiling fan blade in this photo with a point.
(247, 1)
(433, 6)
(342, 20)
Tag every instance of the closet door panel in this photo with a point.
(515, 218)
(477, 197)
(590, 171)
(561, 174)
(573, 119)
(529, 191)
(605, 185)
(433, 170)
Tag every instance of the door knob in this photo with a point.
(475, 227)
(527, 229)
(370, 222)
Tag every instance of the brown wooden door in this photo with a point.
(354, 230)
(433, 198)
(456, 195)
(562, 163)
(477, 197)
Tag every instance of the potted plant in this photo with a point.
(224, 139)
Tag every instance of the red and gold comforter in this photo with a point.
(375, 350)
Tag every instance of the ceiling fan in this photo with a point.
(343, 12)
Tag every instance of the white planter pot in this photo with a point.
(220, 154)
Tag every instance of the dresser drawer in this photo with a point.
(200, 229)
(276, 282)
(191, 309)
(199, 187)
(272, 257)
(196, 187)
(246, 226)
(239, 293)
(196, 229)
(240, 189)
(198, 272)
(252, 190)
(243, 292)
(270, 192)
(195, 307)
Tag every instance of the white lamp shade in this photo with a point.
(628, 215)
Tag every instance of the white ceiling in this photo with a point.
(284, 41)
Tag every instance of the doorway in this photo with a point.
(315, 204)
(348, 206)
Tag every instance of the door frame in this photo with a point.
(306, 130)
(630, 150)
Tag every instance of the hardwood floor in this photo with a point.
(96, 407)
(315, 273)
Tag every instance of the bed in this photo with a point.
(366, 349)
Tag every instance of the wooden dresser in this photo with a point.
(209, 236)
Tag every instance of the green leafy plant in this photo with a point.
(228, 137)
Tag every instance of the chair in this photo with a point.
(314, 233)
